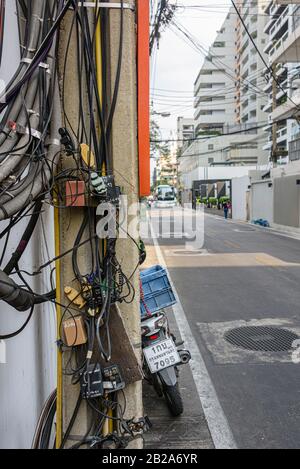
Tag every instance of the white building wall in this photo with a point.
(28, 377)
(262, 201)
(219, 173)
(240, 188)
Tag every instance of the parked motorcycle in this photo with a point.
(162, 358)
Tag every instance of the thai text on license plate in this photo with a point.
(162, 355)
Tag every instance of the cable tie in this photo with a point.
(28, 49)
(41, 64)
(32, 112)
(26, 60)
(89, 355)
(38, 18)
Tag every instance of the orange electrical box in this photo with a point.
(74, 331)
(75, 194)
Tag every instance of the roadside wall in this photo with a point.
(239, 198)
(262, 200)
(287, 201)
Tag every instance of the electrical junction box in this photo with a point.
(75, 331)
(91, 382)
(75, 194)
(113, 380)
(105, 188)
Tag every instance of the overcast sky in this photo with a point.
(176, 64)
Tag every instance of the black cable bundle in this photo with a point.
(30, 134)
(29, 138)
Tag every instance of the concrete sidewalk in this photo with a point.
(190, 431)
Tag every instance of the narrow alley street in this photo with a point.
(244, 276)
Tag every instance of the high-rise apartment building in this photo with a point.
(283, 49)
(185, 132)
(229, 98)
(249, 95)
(214, 85)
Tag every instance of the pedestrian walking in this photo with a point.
(226, 210)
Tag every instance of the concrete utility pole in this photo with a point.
(125, 167)
(275, 125)
(125, 162)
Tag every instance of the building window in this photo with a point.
(210, 146)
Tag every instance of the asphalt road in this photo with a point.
(243, 276)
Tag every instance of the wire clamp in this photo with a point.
(126, 6)
(41, 64)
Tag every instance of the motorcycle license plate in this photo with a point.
(161, 355)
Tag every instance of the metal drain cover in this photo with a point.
(260, 338)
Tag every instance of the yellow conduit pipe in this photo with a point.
(59, 422)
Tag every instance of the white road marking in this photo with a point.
(215, 417)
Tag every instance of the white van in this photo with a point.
(165, 197)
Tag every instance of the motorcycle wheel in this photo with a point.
(174, 400)
(157, 385)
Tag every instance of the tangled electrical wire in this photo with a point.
(29, 138)
(35, 132)
(162, 14)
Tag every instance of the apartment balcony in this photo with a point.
(269, 46)
(268, 107)
(268, 86)
(281, 138)
(287, 48)
(269, 25)
(245, 156)
(286, 2)
(281, 135)
(281, 22)
(294, 148)
(289, 109)
(277, 50)
(216, 103)
(214, 119)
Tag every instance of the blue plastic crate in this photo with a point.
(157, 290)
(154, 280)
